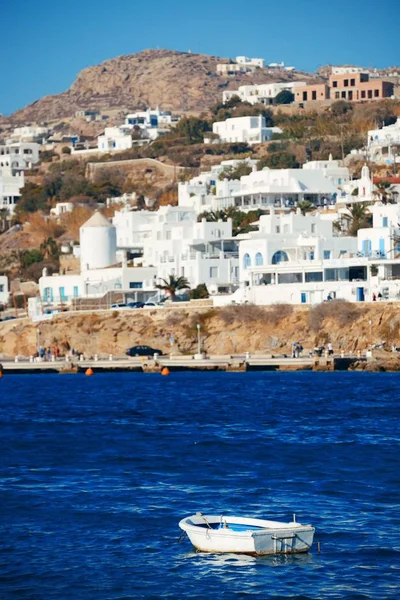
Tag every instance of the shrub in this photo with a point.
(341, 311)
(244, 313)
(66, 150)
(279, 311)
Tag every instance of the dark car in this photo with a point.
(142, 351)
(135, 304)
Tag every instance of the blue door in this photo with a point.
(382, 247)
(303, 298)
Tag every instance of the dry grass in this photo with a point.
(245, 313)
(278, 312)
(341, 311)
(74, 220)
(42, 228)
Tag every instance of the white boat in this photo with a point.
(240, 535)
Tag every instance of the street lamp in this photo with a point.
(198, 339)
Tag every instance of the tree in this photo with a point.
(284, 97)
(235, 172)
(359, 218)
(33, 198)
(191, 129)
(172, 285)
(66, 150)
(305, 206)
(199, 292)
(49, 248)
(278, 160)
(340, 108)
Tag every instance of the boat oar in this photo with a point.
(199, 514)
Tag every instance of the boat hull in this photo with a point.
(248, 536)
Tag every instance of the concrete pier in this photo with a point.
(230, 363)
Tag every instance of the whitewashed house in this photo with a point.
(19, 155)
(204, 191)
(247, 130)
(114, 138)
(11, 182)
(382, 240)
(383, 143)
(29, 133)
(298, 260)
(254, 62)
(261, 94)
(320, 182)
(172, 240)
(151, 122)
(4, 293)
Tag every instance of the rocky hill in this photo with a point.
(176, 81)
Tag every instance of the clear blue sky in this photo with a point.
(47, 42)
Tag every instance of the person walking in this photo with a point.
(330, 349)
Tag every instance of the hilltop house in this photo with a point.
(247, 130)
(261, 94)
(320, 182)
(353, 87)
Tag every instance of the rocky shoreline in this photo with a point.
(230, 330)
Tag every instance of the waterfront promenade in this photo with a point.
(248, 362)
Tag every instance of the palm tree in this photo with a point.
(305, 206)
(171, 285)
(359, 218)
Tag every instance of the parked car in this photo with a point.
(142, 351)
(135, 304)
(150, 304)
(120, 305)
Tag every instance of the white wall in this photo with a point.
(114, 139)
(4, 294)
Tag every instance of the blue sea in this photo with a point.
(96, 472)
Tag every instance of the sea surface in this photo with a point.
(96, 472)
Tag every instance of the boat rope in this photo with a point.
(181, 537)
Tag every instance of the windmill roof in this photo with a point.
(97, 220)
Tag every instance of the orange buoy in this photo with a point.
(1, 374)
(89, 371)
(165, 371)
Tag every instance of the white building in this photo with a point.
(320, 182)
(382, 143)
(62, 208)
(261, 94)
(383, 239)
(114, 138)
(330, 169)
(19, 155)
(11, 183)
(291, 238)
(151, 122)
(100, 272)
(29, 133)
(173, 241)
(234, 68)
(203, 191)
(4, 294)
(248, 130)
(253, 62)
(298, 260)
(347, 70)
